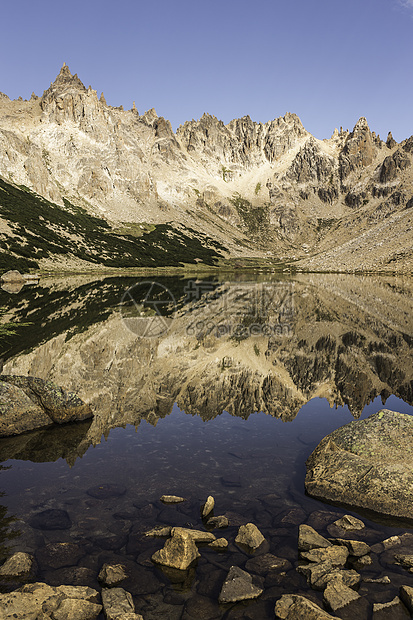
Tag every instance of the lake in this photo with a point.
(217, 385)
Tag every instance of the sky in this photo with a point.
(328, 61)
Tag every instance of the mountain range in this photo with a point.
(84, 185)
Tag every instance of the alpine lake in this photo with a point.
(218, 385)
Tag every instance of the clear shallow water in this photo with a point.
(253, 467)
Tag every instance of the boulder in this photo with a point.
(335, 555)
(118, 605)
(356, 548)
(51, 519)
(296, 607)
(309, 539)
(27, 403)
(366, 464)
(178, 552)
(220, 544)
(20, 566)
(338, 596)
(249, 536)
(112, 574)
(349, 523)
(238, 586)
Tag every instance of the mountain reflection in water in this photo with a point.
(213, 346)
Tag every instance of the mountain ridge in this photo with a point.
(259, 189)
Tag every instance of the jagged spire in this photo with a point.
(102, 99)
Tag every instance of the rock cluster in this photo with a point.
(329, 565)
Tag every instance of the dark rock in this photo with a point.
(249, 536)
(52, 519)
(58, 555)
(112, 574)
(267, 562)
(359, 150)
(238, 586)
(218, 522)
(231, 480)
(104, 491)
(406, 595)
(364, 464)
(390, 142)
(355, 547)
(392, 165)
(72, 576)
(338, 596)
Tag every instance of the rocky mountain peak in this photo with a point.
(65, 80)
(361, 125)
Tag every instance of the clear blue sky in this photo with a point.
(328, 61)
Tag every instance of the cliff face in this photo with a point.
(261, 189)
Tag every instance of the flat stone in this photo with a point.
(112, 574)
(356, 548)
(208, 507)
(104, 491)
(52, 519)
(393, 610)
(197, 536)
(231, 480)
(361, 562)
(178, 552)
(172, 499)
(238, 586)
(250, 536)
(366, 464)
(309, 539)
(267, 562)
(296, 607)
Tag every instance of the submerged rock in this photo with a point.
(366, 464)
(238, 586)
(51, 519)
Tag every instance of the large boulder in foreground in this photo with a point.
(27, 403)
(366, 464)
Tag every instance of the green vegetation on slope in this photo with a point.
(255, 219)
(42, 229)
